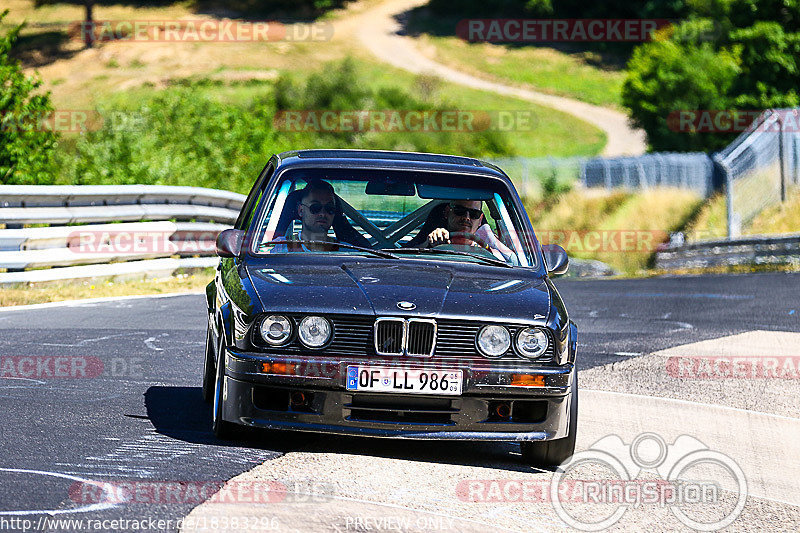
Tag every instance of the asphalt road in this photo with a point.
(112, 395)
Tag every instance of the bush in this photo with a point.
(345, 89)
(182, 136)
(26, 144)
(271, 8)
(562, 8)
(669, 75)
(734, 55)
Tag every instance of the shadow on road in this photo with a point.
(181, 413)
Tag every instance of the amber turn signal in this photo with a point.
(527, 380)
(277, 368)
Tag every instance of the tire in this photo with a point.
(222, 429)
(554, 452)
(209, 368)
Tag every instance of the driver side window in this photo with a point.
(253, 199)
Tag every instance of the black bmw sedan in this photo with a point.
(391, 294)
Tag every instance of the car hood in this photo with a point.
(473, 292)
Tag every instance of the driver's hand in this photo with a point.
(438, 236)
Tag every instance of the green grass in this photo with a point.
(780, 218)
(582, 75)
(712, 220)
(648, 218)
(129, 75)
(551, 132)
(543, 69)
(35, 293)
(622, 229)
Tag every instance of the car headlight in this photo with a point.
(276, 330)
(532, 343)
(493, 341)
(314, 331)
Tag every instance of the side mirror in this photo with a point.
(555, 258)
(229, 242)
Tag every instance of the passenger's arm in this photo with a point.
(497, 247)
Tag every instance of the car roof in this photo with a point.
(390, 159)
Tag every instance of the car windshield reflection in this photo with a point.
(393, 214)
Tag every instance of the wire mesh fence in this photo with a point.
(761, 166)
(758, 170)
(693, 171)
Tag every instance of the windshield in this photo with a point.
(438, 216)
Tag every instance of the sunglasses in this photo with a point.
(315, 208)
(461, 211)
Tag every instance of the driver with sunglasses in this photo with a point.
(466, 216)
(316, 210)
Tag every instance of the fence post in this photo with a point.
(733, 229)
(781, 156)
(583, 173)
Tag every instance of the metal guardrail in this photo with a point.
(123, 230)
(750, 250)
(72, 195)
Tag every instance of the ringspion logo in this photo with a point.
(704, 489)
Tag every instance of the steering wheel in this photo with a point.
(465, 235)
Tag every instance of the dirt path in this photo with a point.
(377, 30)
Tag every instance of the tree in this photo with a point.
(26, 143)
(731, 55)
(87, 28)
(674, 74)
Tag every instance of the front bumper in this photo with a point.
(258, 399)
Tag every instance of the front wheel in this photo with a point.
(209, 367)
(554, 452)
(222, 429)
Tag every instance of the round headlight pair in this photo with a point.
(313, 331)
(494, 341)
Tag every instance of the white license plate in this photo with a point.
(404, 380)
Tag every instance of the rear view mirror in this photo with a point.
(556, 259)
(389, 187)
(229, 242)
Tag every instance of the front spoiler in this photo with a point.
(399, 433)
(333, 409)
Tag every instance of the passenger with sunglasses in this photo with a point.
(316, 209)
(466, 216)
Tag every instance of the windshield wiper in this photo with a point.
(379, 253)
(489, 260)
